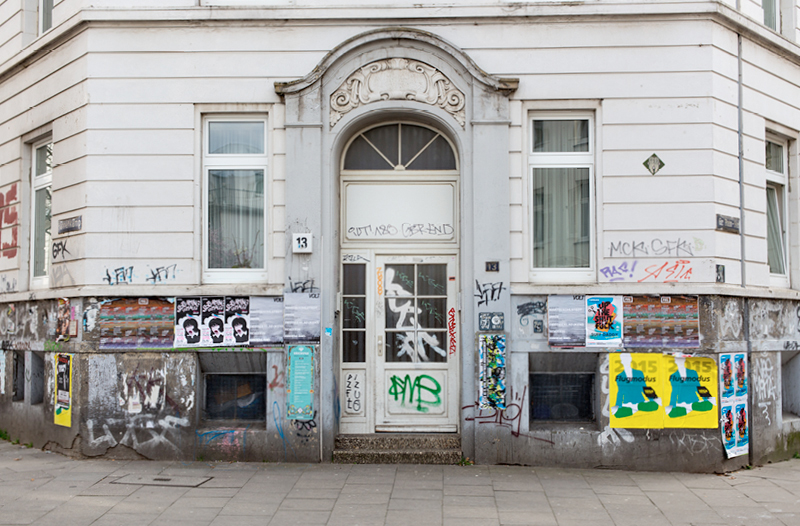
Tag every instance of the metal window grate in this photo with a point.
(236, 397)
(562, 396)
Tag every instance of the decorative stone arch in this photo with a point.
(404, 74)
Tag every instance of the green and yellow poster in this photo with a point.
(654, 391)
(63, 407)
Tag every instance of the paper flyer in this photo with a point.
(603, 321)
(62, 412)
(733, 380)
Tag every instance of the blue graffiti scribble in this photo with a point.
(276, 417)
(209, 436)
(337, 406)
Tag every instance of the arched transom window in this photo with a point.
(400, 146)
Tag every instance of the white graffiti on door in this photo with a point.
(407, 313)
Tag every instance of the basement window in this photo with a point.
(235, 385)
(562, 387)
(37, 378)
(18, 385)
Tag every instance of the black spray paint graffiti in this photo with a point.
(305, 429)
(162, 274)
(121, 276)
(488, 292)
(60, 249)
(302, 286)
(510, 417)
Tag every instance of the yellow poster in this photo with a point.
(690, 392)
(63, 407)
(635, 391)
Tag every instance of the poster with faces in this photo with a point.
(188, 321)
(237, 320)
(213, 329)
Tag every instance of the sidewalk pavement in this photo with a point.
(49, 489)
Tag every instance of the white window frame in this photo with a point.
(44, 7)
(38, 182)
(234, 162)
(562, 160)
(780, 181)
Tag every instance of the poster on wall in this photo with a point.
(654, 391)
(691, 392)
(492, 371)
(566, 323)
(62, 413)
(136, 323)
(237, 320)
(301, 317)
(188, 321)
(733, 379)
(212, 317)
(300, 385)
(661, 321)
(603, 321)
(635, 390)
(64, 321)
(266, 320)
(2, 372)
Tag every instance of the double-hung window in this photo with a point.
(235, 183)
(45, 9)
(776, 174)
(41, 210)
(772, 14)
(561, 162)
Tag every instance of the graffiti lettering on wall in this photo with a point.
(305, 429)
(302, 286)
(60, 276)
(695, 443)
(451, 329)
(146, 434)
(763, 377)
(409, 230)
(772, 320)
(9, 217)
(60, 249)
(353, 392)
(656, 247)
(119, 276)
(143, 390)
(423, 391)
(509, 418)
(278, 379)
(671, 271)
(492, 371)
(162, 274)
(8, 283)
(488, 292)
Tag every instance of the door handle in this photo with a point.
(380, 345)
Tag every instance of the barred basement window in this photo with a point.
(562, 387)
(236, 397)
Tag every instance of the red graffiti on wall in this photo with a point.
(451, 328)
(9, 217)
(680, 270)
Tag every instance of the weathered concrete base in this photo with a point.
(404, 448)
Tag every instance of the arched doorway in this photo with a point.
(399, 189)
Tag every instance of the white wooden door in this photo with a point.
(416, 373)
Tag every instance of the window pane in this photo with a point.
(561, 217)
(236, 219)
(400, 347)
(47, 15)
(354, 279)
(353, 314)
(235, 137)
(774, 160)
(432, 280)
(561, 396)
(362, 156)
(354, 346)
(44, 159)
(775, 254)
(771, 14)
(561, 136)
(41, 232)
(419, 153)
(399, 280)
(432, 345)
(432, 313)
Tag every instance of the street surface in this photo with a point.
(49, 489)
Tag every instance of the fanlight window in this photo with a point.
(400, 147)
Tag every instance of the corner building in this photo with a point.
(420, 204)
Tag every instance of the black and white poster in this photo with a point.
(266, 320)
(187, 322)
(212, 332)
(301, 317)
(237, 320)
(566, 321)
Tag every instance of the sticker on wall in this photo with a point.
(733, 381)
(635, 391)
(603, 321)
(492, 376)
(691, 388)
(300, 387)
(187, 322)
(63, 406)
